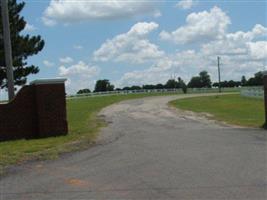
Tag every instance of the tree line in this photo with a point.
(203, 80)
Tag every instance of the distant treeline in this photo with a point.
(203, 80)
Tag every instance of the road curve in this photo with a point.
(150, 151)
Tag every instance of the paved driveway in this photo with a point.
(150, 151)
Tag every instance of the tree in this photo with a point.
(243, 81)
(23, 46)
(148, 87)
(226, 84)
(159, 86)
(103, 86)
(84, 91)
(171, 84)
(181, 84)
(205, 79)
(256, 80)
(231, 83)
(215, 85)
(195, 82)
(126, 88)
(135, 87)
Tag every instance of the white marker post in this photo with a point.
(8, 49)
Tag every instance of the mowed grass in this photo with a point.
(83, 127)
(233, 109)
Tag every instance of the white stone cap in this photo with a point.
(48, 81)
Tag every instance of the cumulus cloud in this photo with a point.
(80, 69)
(80, 75)
(132, 46)
(184, 64)
(47, 63)
(66, 11)
(186, 4)
(237, 43)
(157, 73)
(258, 50)
(66, 60)
(206, 25)
(242, 53)
(257, 31)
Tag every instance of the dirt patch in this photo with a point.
(202, 117)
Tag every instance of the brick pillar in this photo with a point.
(265, 96)
(51, 113)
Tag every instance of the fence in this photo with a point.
(143, 91)
(255, 92)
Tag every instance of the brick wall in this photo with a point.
(38, 110)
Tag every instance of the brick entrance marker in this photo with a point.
(38, 110)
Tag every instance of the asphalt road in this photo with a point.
(150, 151)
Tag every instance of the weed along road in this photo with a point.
(151, 151)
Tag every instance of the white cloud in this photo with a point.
(186, 4)
(76, 11)
(157, 14)
(242, 53)
(237, 43)
(143, 28)
(66, 60)
(29, 28)
(81, 69)
(48, 22)
(258, 50)
(157, 73)
(132, 46)
(200, 26)
(184, 64)
(78, 47)
(80, 75)
(47, 63)
(257, 31)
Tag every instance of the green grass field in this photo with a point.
(232, 109)
(83, 126)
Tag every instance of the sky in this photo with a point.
(146, 42)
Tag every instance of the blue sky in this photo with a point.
(146, 42)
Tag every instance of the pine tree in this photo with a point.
(23, 46)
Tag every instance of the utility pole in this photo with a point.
(219, 74)
(8, 49)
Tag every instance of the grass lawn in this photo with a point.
(232, 109)
(83, 127)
